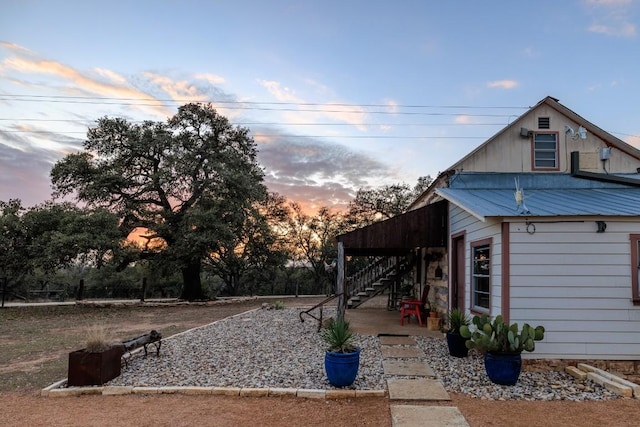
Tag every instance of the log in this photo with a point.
(153, 337)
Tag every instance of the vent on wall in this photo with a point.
(544, 123)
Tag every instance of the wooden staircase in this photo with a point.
(381, 275)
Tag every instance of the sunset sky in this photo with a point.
(339, 95)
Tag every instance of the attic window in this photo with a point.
(544, 123)
(545, 151)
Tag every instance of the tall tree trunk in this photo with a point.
(192, 289)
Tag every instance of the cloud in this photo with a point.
(210, 78)
(503, 84)
(314, 113)
(304, 169)
(315, 171)
(611, 18)
(25, 172)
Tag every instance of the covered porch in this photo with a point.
(408, 236)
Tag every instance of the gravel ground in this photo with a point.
(272, 348)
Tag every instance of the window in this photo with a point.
(635, 267)
(545, 151)
(481, 275)
(544, 123)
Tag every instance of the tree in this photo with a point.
(313, 239)
(254, 247)
(14, 242)
(385, 202)
(50, 236)
(188, 182)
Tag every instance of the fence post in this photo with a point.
(80, 290)
(144, 289)
(4, 290)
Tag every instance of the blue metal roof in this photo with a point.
(493, 195)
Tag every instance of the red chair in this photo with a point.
(409, 308)
(415, 307)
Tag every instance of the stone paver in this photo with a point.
(389, 351)
(396, 340)
(427, 416)
(410, 368)
(416, 389)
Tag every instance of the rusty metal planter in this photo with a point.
(87, 368)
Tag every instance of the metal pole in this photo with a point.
(340, 283)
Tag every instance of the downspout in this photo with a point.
(576, 172)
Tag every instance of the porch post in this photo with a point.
(340, 283)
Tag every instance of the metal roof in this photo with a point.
(493, 195)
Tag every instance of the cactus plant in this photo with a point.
(501, 337)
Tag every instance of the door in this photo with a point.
(457, 269)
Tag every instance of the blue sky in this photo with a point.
(339, 95)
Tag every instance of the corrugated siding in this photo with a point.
(577, 283)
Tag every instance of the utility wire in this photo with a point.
(331, 104)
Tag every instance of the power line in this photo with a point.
(285, 135)
(330, 104)
(84, 122)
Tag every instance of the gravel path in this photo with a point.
(272, 348)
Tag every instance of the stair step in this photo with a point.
(363, 294)
(354, 298)
(370, 289)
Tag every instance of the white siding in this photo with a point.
(475, 230)
(577, 284)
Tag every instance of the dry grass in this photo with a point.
(36, 341)
(98, 338)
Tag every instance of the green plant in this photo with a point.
(501, 337)
(338, 335)
(278, 305)
(457, 319)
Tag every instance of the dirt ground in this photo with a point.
(19, 409)
(25, 369)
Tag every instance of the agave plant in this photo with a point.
(501, 337)
(338, 336)
(457, 319)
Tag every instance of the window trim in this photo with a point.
(473, 245)
(533, 152)
(635, 266)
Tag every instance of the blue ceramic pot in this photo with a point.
(503, 368)
(341, 368)
(457, 346)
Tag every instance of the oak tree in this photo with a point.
(189, 184)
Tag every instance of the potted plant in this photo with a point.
(456, 342)
(99, 362)
(502, 345)
(342, 357)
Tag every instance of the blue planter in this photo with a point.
(503, 368)
(341, 368)
(457, 346)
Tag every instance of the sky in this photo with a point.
(338, 94)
